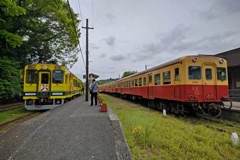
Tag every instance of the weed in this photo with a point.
(153, 136)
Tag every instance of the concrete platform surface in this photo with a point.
(74, 130)
(235, 105)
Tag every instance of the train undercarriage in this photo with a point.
(192, 108)
(181, 108)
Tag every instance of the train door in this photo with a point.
(43, 84)
(177, 87)
(150, 86)
(209, 81)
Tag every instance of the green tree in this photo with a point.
(128, 73)
(10, 85)
(47, 30)
(34, 31)
(9, 10)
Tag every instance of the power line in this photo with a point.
(92, 14)
(75, 31)
(79, 7)
(80, 11)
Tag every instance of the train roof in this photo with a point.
(167, 64)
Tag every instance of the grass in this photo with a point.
(12, 114)
(151, 136)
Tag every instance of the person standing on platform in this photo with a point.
(83, 90)
(93, 91)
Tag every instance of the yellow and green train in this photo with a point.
(47, 86)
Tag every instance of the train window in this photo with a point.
(208, 74)
(133, 83)
(31, 76)
(150, 79)
(194, 72)
(57, 76)
(74, 83)
(44, 79)
(129, 82)
(176, 74)
(140, 81)
(167, 77)
(136, 82)
(221, 73)
(157, 79)
(144, 81)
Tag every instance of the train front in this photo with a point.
(206, 84)
(40, 81)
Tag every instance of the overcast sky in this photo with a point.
(129, 34)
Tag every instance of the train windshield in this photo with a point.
(31, 76)
(221, 73)
(57, 76)
(44, 79)
(194, 72)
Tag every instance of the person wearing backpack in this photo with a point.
(93, 91)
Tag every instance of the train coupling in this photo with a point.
(225, 98)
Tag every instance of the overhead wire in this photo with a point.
(75, 31)
(80, 11)
(92, 15)
(81, 16)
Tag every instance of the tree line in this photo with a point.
(34, 31)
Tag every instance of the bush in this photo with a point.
(10, 84)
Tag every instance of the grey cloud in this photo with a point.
(212, 44)
(93, 46)
(110, 17)
(176, 35)
(218, 42)
(220, 8)
(230, 6)
(117, 58)
(148, 51)
(110, 40)
(166, 42)
(177, 43)
(151, 48)
(102, 55)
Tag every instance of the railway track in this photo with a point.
(11, 106)
(21, 117)
(3, 125)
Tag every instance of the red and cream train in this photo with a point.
(187, 84)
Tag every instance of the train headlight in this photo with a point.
(30, 102)
(58, 101)
(194, 59)
(221, 61)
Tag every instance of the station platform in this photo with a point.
(235, 105)
(74, 130)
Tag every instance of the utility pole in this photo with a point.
(87, 63)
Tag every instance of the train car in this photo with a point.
(186, 84)
(47, 86)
